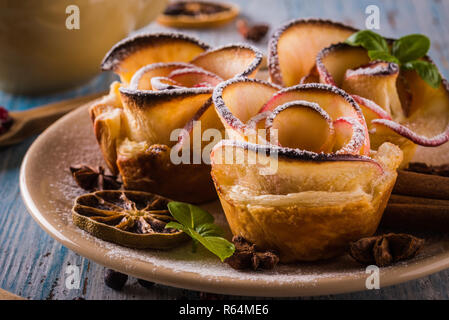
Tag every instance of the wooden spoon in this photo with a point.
(5, 295)
(33, 121)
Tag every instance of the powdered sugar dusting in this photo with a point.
(273, 55)
(374, 68)
(402, 130)
(71, 141)
(357, 139)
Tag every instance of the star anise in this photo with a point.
(386, 249)
(247, 256)
(94, 180)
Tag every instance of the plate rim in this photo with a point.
(221, 284)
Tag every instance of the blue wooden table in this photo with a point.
(34, 266)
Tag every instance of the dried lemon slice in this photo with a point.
(129, 218)
(198, 14)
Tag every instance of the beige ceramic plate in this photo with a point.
(49, 191)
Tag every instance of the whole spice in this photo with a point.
(247, 256)
(254, 33)
(416, 213)
(5, 120)
(423, 168)
(145, 283)
(385, 250)
(94, 180)
(422, 185)
(114, 279)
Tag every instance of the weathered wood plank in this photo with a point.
(33, 265)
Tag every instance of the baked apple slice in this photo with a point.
(349, 136)
(164, 83)
(195, 78)
(153, 115)
(371, 110)
(131, 54)
(230, 61)
(141, 80)
(375, 81)
(294, 46)
(301, 125)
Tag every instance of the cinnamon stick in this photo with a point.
(415, 213)
(422, 185)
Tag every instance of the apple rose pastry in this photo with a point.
(297, 175)
(151, 127)
(399, 106)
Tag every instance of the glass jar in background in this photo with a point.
(39, 54)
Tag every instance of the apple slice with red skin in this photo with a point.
(349, 136)
(235, 60)
(153, 115)
(334, 101)
(301, 125)
(371, 110)
(164, 83)
(258, 121)
(194, 78)
(141, 80)
(294, 46)
(238, 100)
(131, 54)
(376, 81)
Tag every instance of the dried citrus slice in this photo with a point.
(197, 14)
(129, 218)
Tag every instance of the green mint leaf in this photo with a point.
(200, 216)
(181, 212)
(209, 229)
(198, 224)
(177, 226)
(189, 215)
(369, 40)
(427, 71)
(411, 47)
(221, 247)
(383, 56)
